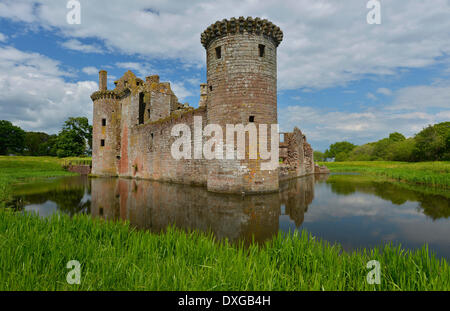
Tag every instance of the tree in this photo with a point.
(81, 126)
(431, 143)
(336, 148)
(75, 138)
(319, 156)
(34, 143)
(11, 138)
(396, 136)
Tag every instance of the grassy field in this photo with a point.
(436, 174)
(17, 169)
(35, 251)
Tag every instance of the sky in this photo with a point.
(339, 77)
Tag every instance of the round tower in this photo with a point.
(105, 129)
(241, 56)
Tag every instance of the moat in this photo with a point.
(352, 210)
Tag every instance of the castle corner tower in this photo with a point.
(241, 57)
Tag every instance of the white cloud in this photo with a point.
(77, 45)
(371, 96)
(422, 97)
(324, 127)
(90, 70)
(35, 95)
(141, 69)
(384, 91)
(3, 37)
(180, 90)
(326, 43)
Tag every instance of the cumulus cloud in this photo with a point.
(90, 70)
(422, 97)
(324, 127)
(35, 95)
(77, 45)
(326, 43)
(384, 91)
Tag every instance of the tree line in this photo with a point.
(74, 139)
(430, 144)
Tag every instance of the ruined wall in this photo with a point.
(242, 88)
(148, 152)
(297, 156)
(132, 123)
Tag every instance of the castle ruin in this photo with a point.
(132, 123)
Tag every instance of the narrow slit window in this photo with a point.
(152, 135)
(102, 143)
(262, 50)
(251, 119)
(218, 52)
(103, 122)
(210, 88)
(141, 108)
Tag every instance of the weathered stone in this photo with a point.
(132, 123)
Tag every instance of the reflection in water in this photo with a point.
(154, 206)
(350, 209)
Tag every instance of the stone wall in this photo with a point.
(242, 88)
(132, 124)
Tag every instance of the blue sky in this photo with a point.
(339, 78)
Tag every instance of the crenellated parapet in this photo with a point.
(240, 25)
(104, 94)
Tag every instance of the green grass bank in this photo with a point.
(22, 168)
(35, 251)
(435, 174)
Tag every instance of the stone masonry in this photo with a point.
(132, 123)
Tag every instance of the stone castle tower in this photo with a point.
(132, 123)
(241, 58)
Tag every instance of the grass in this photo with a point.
(35, 251)
(435, 174)
(16, 169)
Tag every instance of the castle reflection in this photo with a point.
(154, 206)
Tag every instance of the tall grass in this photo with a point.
(435, 174)
(34, 253)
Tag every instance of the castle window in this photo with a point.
(152, 135)
(210, 88)
(102, 143)
(218, 52)
(103, 122)
(251, 119)
(262, 49)
(141, 108)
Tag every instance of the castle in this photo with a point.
(132, 123)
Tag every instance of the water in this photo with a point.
(350, 209)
